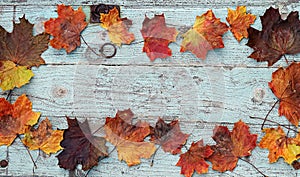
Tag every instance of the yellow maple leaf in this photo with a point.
(117, 27)
(12, 76)
(43, 138)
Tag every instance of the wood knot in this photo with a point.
(59, 92)
(258, 95)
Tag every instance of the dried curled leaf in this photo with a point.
(193, 159)
(280, 145)
(285, 86)
(157, 37)
(231, 145)
(206, 34)
(66, 28)
(129, 139)
(80, 146)
(15, 118)
(239, 22)
(117, 27)
(12, 76)
(43, 138)
(277, 38)
(168, 136)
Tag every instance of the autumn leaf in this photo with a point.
(117, 27)
(239, 22)
(277, 38)
(168, 136)
(126, 115)
(12, 76)
(66, 28)
(157, 37)
(231, 146)
(206, 34)
(21, 47)
(43, 138)
(193, 159)
(14, 118)
(129, 139)
(285, 86)
(280, 145)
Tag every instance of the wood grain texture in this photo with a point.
(220, 90)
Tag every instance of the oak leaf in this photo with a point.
(168, 136)
(239, 22)
(280, 145)
(231, 146)
(66, 28)
(15, 118)
(277, 38)
(43, 138)
(206, 34)
(117, 27)
(129, 139)
(80, 146)
(157, 37)
(12, 76)
(285, 86)
(21, 47)
(193, 159)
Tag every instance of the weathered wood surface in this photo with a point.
(220, 90)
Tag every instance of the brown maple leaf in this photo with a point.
(239, 22)
(285, 86)
(280, 145)
(21, 47)
(193, 159)
(43, 138)
(129, 139)
(206, 34)
(14, 118)
(157, 37)
(277, 38)
(66, 28)
(80, 146)
(231, 145)
(168, 136)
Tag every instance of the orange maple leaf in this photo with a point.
(157, 37)
(285, 86)
(117, 27)
(129, 139)
(168, 136)
(43, 138)
(206, 34)
(239, 22)
(193, 159)
(66, 28)
(231, 145)
(14, 118)
(280, 145)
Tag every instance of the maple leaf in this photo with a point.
(280, 145)
(157, 37)
(239, 22)
(117, 27)
(206, 34)
(231, 145)
(277, 38)
(14, 118)
(43, 138)
(129, 139)
(126, 115)
(80, 146)
(66, 28)
(21, 47)
(168, 136)
(285, 86)
(193, 159)
(12, 76)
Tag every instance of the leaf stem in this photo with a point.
(152, 161)
(28, 152)
(89, 46)
(254, 167)
(287, 62)
(8, 95)
(262, 125)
